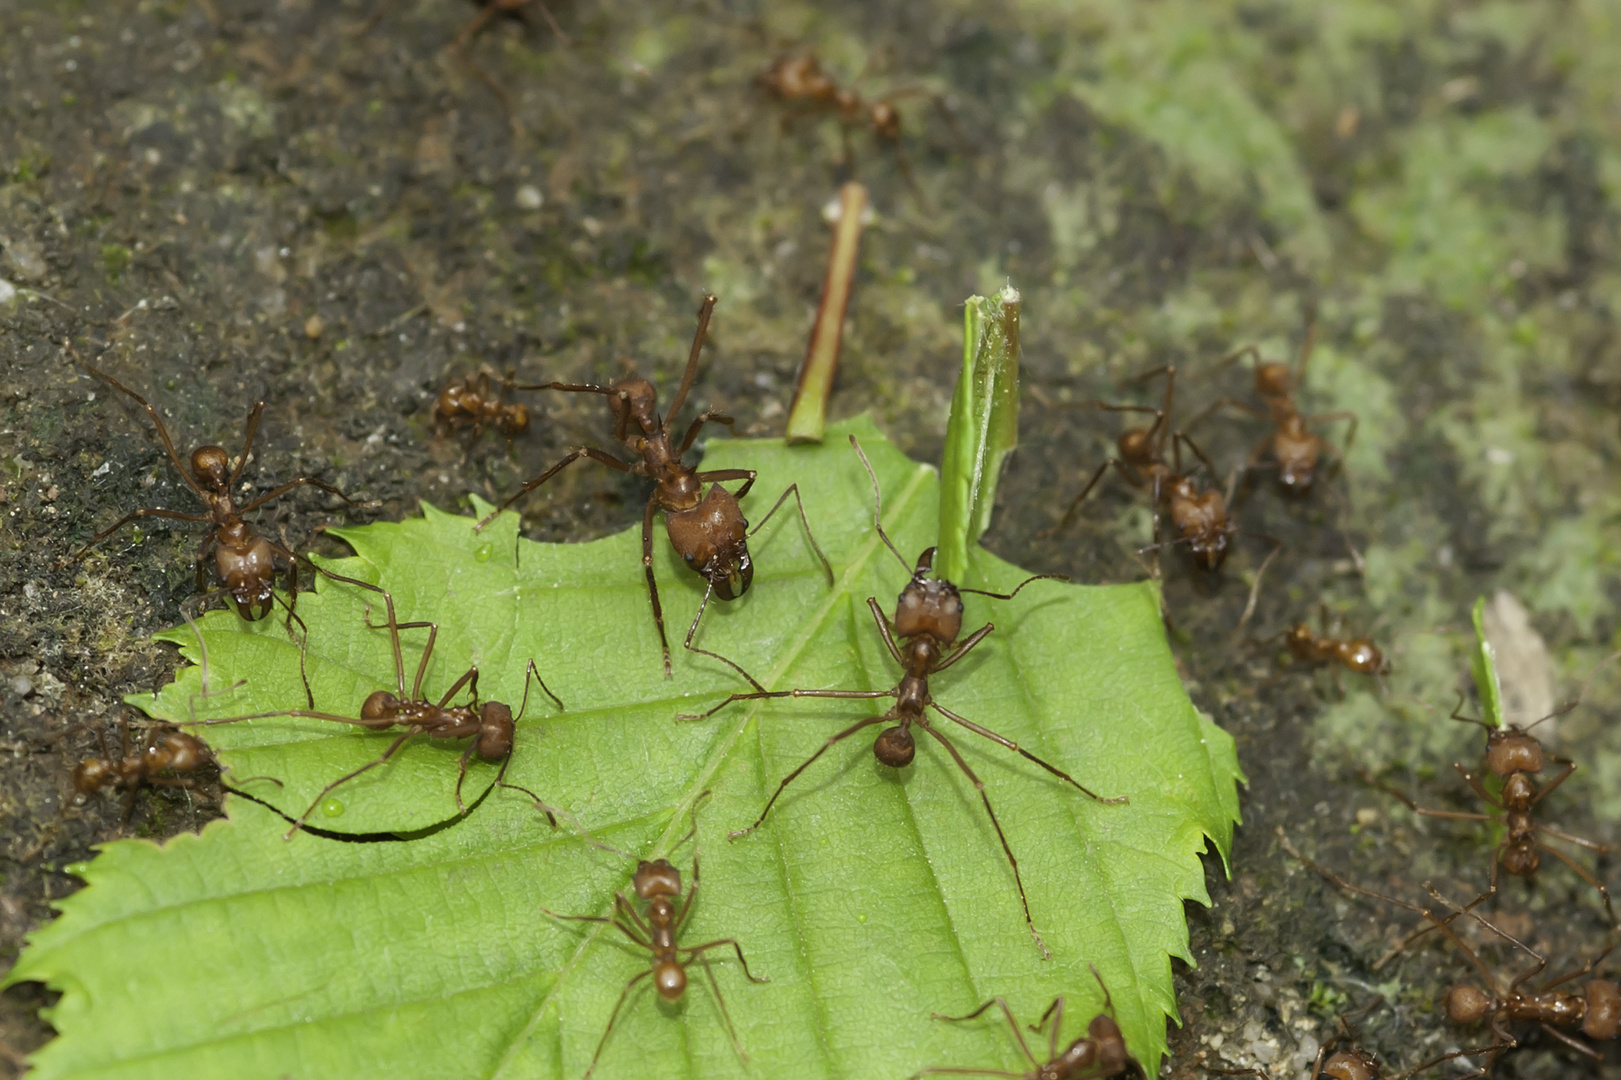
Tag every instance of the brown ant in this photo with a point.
(468, 403)
(1596, 1009)
(659, 883)
(800, 83)
(1200, 517)
(1515, 757)
(1359, 655)
(490, 726)
(1355, 1063)
(244, 560)
(1099, 1054)
(928, 619)
(1295, 450)
(708, 532)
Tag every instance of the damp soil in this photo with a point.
(325, 207)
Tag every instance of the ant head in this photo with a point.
(379, 705)
(657, 878)
(1209, 549)
(671, 980)
(1603, 1019)
(1512, 750)
(1466, 1004)
(1136, 446)
(515, 421)
(1295, 478)
(1274, 380)
(1354, 1064)
(185, 752)
(1111, 1044)
(211, 465)
(91, 776)
(886, 120)
(495, 729)
(634, 399)
(929, 606)
(895, 747)
(713, 539)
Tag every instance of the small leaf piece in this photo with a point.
(869, 898)
(1483, 664)
(983, 428)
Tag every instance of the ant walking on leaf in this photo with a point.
(708, 531)
(928, 620)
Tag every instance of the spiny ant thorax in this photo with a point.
(634, 399)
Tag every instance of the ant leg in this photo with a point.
(746, 475)
(302, 481)
(884, 630)
(1255, 588)
(732, 698)
(163, 432)
(1180, 437)
(568, 459)
(652, 582)
(738, 949)
(1575, 1044)
(1582, 873)
(1069, 515)
(1013, 1025)
(251, 428)
(533, 670)
(690, 647)
(1056, 1012)
(1591, 845)
(383, 760)
(1454, 815)
(979, 785)
(825, 747)
(1433, 1062)
(1570, 767)
(613, 1016)
(470, 676)
(962, 650)
(136, 516)
(1002, 740)
(725, 1015)
(793, 489)
(708, 416)
(1242, 406)
(952, 1070)
(704, 311)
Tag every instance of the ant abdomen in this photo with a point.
(895, 747)
(1352, 1065)
(1603, 1019)
(379, 705)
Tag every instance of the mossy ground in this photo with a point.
(321, 205)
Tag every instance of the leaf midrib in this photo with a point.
(724, 747)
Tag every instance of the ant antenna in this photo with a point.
(692, 358)
(878, 505)
(1015, 592)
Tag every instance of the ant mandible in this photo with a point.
(1200, 517)
(1099, 1054)
(928, 619)
(708, 531)
(1295, 449)
(244, 560)
(490, 726)
(1595, 1010)
(1515, 757)
(468, 403)
(659, 884)
(1360, 655)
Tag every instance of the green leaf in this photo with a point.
(1483, 664)
(983, 428)
(869, 898)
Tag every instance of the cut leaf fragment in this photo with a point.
(869, 898)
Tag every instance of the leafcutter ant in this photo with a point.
(467, 403)
(659, 884)
(708, 531)
(1515, 757)
(1294, 448)
(490, 726)
(1101, 1053)
(1359, 655)
(928, 619)
(1595, 1010)
(244, 560)
(1355, 1063)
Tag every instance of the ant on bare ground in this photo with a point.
(244, 560)
(800, 83)
(1595, 1010)
(1515, 757)
(1200, 517)
(1355, 1063)
(928, 619)
(1099, 1054)
(659, 884)
(490, 726)
(1359, 655)
(467, 403)
(708, 531)
(1295, 450)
